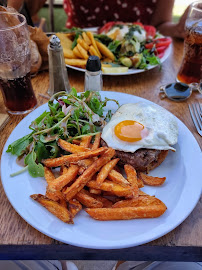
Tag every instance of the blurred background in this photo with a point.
(56, 17)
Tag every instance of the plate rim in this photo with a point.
(118, 246)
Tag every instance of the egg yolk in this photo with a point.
(129, 131)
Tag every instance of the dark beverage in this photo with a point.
(191, 68)
(18, 94)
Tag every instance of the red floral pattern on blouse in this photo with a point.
(88, 13)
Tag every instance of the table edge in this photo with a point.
(67, 252)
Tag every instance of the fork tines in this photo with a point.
(196, 115)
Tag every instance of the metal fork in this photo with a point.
(196, 115)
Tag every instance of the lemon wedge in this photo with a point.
(114, 69)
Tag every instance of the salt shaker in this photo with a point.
(58, 76)
(93, 75)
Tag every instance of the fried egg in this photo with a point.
(141, 125)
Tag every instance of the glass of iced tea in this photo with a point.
(191, 67)
(15, 81)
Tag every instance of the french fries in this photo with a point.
(114, 188)
(132, 178)
(64, 40)
(69, 53)
(140, 201)
(151, 181)
(74, 207)
(95, 191)
(151, 211)
(83, 43)
(106, 202)
(56, 196)
(90, 177)
(55, 208)
(96, 143)
(85, 141)
(102, 175)
(86, 38)
(64, 179)
(85, 198)
(88, 174)
(105, 51)
(52, 195)
(56, 162)
(48, 174)
(93, 51)
(86, 45)
(75, 62)
(76, 52)
(72, 148)
(82, 51)
(118, 178)
(91, 37)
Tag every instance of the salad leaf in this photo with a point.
(73, 92)
(53, 107)
(18, 147)
(103, 38)
(149, 58)
(71, 30)
(54, 149)
(108, 116)
(41, 117)
(41, 151)
(35, 170)
(114, 47)
(153, 60)
(96, 106)
(78, 33)
(86, 129)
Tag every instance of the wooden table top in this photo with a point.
(187, 237)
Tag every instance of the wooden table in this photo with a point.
(18, 240)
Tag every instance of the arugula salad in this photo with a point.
(70, 116)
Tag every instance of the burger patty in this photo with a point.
(142, 160)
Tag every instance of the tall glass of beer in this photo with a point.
(15, 64)
(191, 67)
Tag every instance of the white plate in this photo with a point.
(180, 193)
(130, 70)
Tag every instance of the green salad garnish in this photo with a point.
(70, 116)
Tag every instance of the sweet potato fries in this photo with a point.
(90, 179)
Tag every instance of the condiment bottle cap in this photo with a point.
(55, 42)
(93, 64)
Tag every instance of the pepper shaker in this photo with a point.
(93, 74)
(58, 76)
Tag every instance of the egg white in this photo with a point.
(140, 36)
(162, 127)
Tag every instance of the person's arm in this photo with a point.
(34, 6)
(17, 4)
(162, 20)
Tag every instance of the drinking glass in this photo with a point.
(15, 63)
(191, 67)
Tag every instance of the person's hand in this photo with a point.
(16, 4)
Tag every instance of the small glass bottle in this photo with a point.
(93, 74)
(58, 76)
